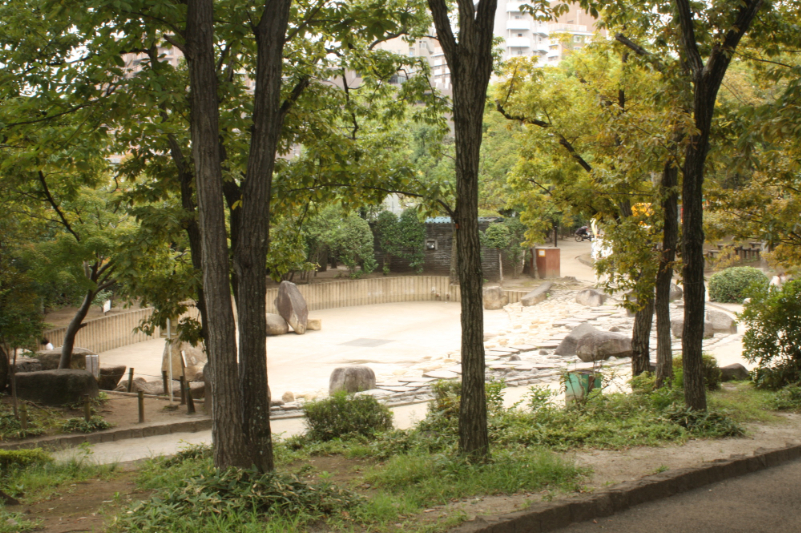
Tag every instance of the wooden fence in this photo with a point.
(103, 334)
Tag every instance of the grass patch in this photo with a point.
(744, 403)
(16, 522)
(42, 479)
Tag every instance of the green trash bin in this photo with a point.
(580, 383)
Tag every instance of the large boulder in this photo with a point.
(537, 295)
(591, 298)
(677, 327)
(56, 387)
(601, 345)
(194, 357)
(110, 376)
(494, 298)
(27, 364)
(351, 379)
(721, 322)
(51, 358)
(292, 306)
(276, 325)
(568, 345)
(735, 372)
(676, 293)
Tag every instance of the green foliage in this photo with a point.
(352, 243)
(709, 368)
(402, 237)
(496, 236)
(707, 423)
(81, 425)
(344, 415)
(17, 522)
(11, 427)
(212, 497)
(22, 459)
(732, 285)
(772, 339)
(787, 399)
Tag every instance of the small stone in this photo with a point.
(543, 352)
(288, 397)
(514, 358)
(314, 324)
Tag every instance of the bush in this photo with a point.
(787, 399)
(342, 415)
(710, 368)
(80, 425)
(231, 496)
(22, 458)
(732, 285)
(773, 335)
(11, 428)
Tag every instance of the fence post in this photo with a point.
(141, 395)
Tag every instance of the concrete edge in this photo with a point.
(59, 442)
(550, 516)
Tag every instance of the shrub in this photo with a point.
(11, 428)
(233, 495)
(773, 335)
(80, 425)
(706, 423)
(710, 368)
(731, 285)
(342, 415)
(787, 399)
(22, 458)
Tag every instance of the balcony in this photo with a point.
(513, 7)
(518, 24)
(542, 47)
(540, 28)
(518, 42)
(569, 28)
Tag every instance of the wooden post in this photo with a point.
(87, 408)
(23, 416)
(165, 380)
(141, 395)
(183, 390)
(190, 402)
(130, 379)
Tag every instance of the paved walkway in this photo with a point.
(768, 501)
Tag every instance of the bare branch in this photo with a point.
(55, 206)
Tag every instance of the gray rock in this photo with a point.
(110, 376)
(599, 345)
(543, 352)
(735, 372)
(537, 295)
(676, 293)
(194, 357)
(721, 322)
(288, 397)
(27, 364)
(591, 298)
(568, 345)
(51, 358)
(514, 357)
(276, 325)
(677, 327)
(123, 386)
(292, 306)
(351, 379)
(56, 387)
(614, 329)
(494, 298)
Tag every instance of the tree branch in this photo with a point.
(685, 16)
(442, 23)
(640, 51)
(297, 90)
(55, 206)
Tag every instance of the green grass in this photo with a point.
(744, 403)
(16, 522)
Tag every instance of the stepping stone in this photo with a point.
(496, 354)
(524, 347)
(455, 368)
(508, 351)
(441, 374)
(488, 358)
(415, 381)
(547, 344)
(395, 389)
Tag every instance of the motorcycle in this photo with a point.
(581, 237)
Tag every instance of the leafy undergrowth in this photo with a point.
(43, 420)
(385, 481)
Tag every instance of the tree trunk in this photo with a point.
(470, 62)
(641, 339)
(227, 427)
(250, 255)
(670, 236)
(500, 265)
(73, 328)
(707, 80)
(453, 273)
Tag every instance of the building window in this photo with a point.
(578, 39)
(519, 34)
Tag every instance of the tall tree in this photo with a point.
(470, 61)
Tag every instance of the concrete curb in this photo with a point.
(67, 441)
(550, 516)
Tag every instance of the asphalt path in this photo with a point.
(768, 501)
